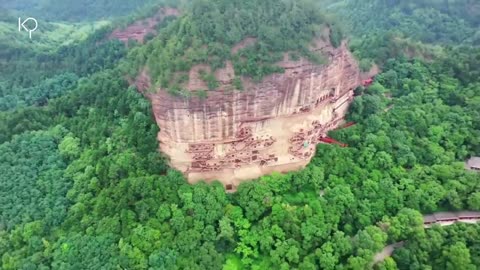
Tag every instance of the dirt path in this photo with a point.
(386, 252)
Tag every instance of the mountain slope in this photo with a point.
(74, 11)
(210, 30)
(84, 186)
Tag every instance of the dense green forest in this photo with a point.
(382, 29)
(57, 48)
(28, 63)
(430, 21)
(82, 185)
(441, 248)
(117, 204)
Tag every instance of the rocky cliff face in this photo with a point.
(140, 29)
(273, 125)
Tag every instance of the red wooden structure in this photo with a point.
(329, 140)
(347, 125)
(368, 82)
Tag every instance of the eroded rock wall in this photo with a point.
(273, 125)
(140, 29)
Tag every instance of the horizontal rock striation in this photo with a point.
(140, 29)
(273, 125)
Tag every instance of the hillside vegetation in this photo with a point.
(209, 30)
(49, 36)
(430, 21)
(83, 186)
(57, 47)
(72, 10)
(125, 208)
(383, 29)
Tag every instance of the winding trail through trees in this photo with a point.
(440, 218)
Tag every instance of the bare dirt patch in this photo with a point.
(140, 29)
(195, 81)
(142, 82)
(249, 41)
(226, 74)
(374, 70)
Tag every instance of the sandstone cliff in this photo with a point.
(270, 126)
(140, 29)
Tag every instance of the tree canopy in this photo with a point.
(83, 186)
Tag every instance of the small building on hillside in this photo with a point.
(446, 217)
(429, 219)
(474, 164)
(449, 218)
(469, 215)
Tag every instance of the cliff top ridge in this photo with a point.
(215, 42)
